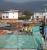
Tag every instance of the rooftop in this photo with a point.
(11, 11)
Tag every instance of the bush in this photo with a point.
(24, 18)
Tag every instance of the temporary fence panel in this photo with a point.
(36, 30)
(20, 41)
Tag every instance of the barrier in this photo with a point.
(20, 41)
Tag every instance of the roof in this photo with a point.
(41, 11)
(11, 11)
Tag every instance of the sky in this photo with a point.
(23, 4)
(22, 1)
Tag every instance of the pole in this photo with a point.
(45, 28)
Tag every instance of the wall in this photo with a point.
(16, 15)
(0, 15)
(11, 15)
(45, 14)
(38, 14)
(5, 14)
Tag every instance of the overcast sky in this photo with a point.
(23, 4)
(21, 1)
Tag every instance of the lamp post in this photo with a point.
(43, 24)
(45, 28)
(45, 19)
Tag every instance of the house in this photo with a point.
(12, 14)
(40, 16)
(37, 14)
(1, 14)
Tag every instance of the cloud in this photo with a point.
(21, 1)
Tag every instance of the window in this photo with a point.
(37, 17)
(3, 16)
(6, 16)
(13, 16)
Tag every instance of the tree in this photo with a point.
(28, 14)
(22, 18)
